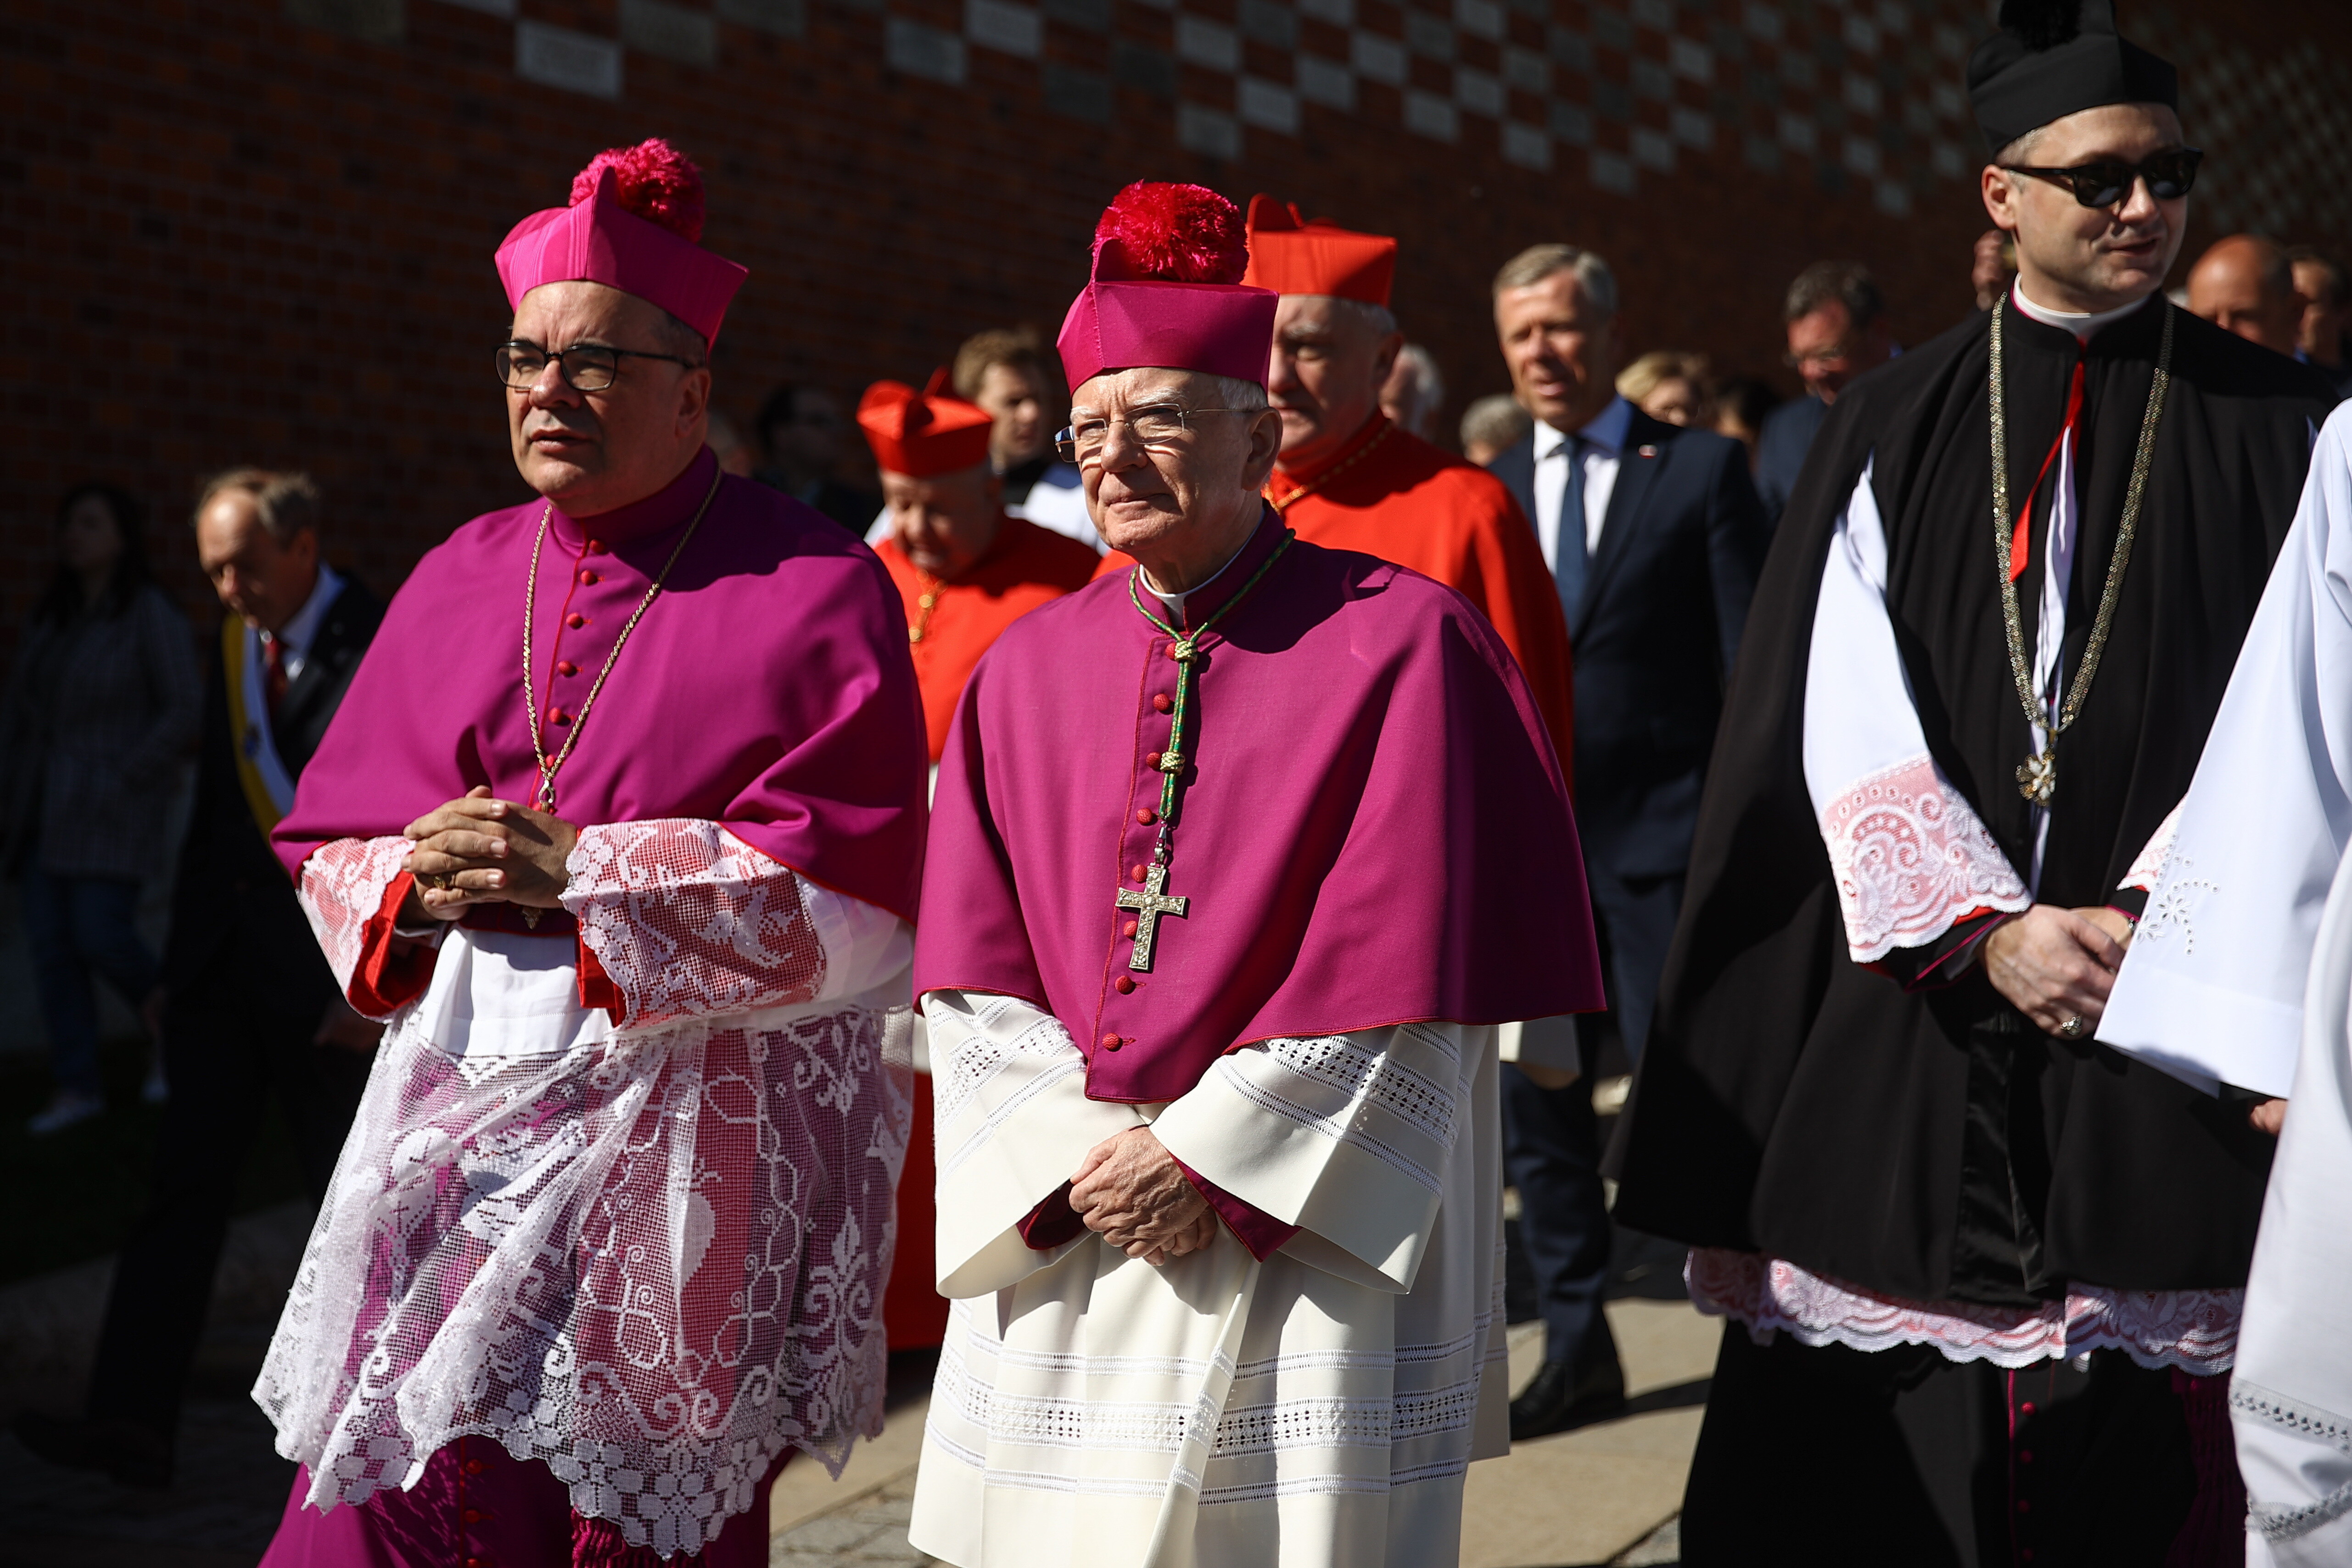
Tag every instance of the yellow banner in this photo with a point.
(244, 735)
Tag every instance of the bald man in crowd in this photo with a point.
(2244, 284)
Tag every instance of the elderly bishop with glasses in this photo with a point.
(1983, 1272)
(1239, 857)
(620, 828)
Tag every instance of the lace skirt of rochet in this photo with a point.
(650, 1260)
(2195, 1331)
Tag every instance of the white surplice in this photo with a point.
(1318, 1407)
(2213, 986)
(2242, 974)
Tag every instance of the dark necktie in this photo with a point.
(1567, 559)
(273, 675)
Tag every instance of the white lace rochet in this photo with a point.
(651, 1256)
(2196, 1331)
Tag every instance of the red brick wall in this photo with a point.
(260, 230)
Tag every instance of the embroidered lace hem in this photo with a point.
(651, 1262)
(2196, 1331)
(1910, 857)
(2250, 1401)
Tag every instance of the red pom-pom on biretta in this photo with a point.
(657, 183)
(1160, 231)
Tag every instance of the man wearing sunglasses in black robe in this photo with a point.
(1982, 1272)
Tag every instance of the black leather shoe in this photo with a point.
(1559, 1399)
(132, 1453)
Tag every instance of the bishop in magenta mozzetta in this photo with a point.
(1242, 854)
(620, 827)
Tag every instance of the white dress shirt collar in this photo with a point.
(303, 628)
(1606, 430)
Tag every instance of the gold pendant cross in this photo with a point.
(1148, 906)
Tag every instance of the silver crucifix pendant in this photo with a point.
(1149, 905)
(2037, 777)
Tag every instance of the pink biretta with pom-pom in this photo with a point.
(634, 222)
(1167, 289)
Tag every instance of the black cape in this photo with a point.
(1934, 1144)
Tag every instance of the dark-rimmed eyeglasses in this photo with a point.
(588, 367)
(1161, 424)
(2109, 181)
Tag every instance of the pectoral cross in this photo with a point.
(1148, 906)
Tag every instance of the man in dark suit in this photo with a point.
(1655, 536)
(1837, 329)
(249, 1007)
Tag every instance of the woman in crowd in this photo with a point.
(99, 714)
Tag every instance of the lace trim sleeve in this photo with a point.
(1911, 859)
(352, 889)
(690, 921)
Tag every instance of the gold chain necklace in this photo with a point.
(2037, 777)
(1325, 478)
(548, 770)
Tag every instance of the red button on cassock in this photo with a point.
(2026, 1409)
(472, 1516)
(565, 666)
(558, 716)
(1162, 703)
(1110, 1042)
(1123, 984)
(1127, 930)
(589, 578)
(595, 547)
(474, 1466)
(1152, 762)
(1137, 870)
(575, 620)
(1146, 815)
(1171, 654)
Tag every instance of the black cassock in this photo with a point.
(1933, 1144)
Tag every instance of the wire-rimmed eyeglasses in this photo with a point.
(1160, 425)
(588, 367)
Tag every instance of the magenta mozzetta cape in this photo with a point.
(768, 688)
(1373, 830)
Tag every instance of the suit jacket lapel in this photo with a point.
(1516, 467)
(1634, 473)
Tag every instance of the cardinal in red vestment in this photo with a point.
(1349, 478)
(966, 570)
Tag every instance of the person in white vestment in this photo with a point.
(1238, 857)
(2241, 975)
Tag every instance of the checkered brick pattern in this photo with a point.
(1862, 94)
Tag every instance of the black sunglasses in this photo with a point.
(2109, 182)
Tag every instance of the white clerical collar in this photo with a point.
(1607, 430)
(1175, 601)
(298, 633)
(2084, 324)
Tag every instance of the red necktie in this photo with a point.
(2021, 538)
(273, 675)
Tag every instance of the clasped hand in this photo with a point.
(1131, 1190)
(480, 850)
(2056, 964)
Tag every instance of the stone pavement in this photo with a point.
(1605, 1494)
